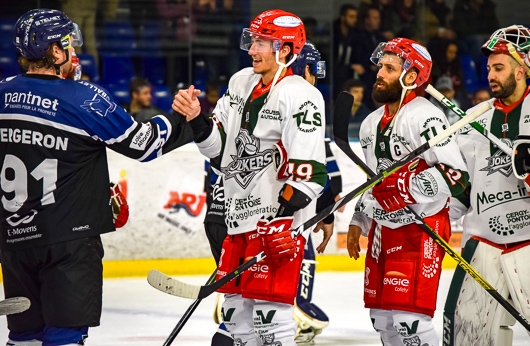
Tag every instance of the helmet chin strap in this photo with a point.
(280, 69)
(403, 93)
(58, 66)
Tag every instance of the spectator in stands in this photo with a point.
(446, 62)
(480, 95)
(212, 94)
(406, 24)
(387, 13)
(140, 107)
(473, 22)
(343, 36)
(359, 110)
(444, 85)
(366, 41)
(84, 14)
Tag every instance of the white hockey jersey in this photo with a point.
(498, 206)
(248, 133)
(416, 122)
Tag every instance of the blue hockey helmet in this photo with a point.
(36, 29)
(309, 56)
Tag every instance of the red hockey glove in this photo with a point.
(120, 208)
(393, 192)
(276, 239)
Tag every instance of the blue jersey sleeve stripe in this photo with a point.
(41, 121)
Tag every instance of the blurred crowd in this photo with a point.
(174, 43)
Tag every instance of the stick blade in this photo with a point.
(14, 305)
(172, 286)
(341, 114)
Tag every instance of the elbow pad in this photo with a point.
(291, 200)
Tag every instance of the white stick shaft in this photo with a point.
(459, 124)
(447, 103)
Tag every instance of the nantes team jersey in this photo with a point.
(498, 206)
(417, 121)
(249, 130)
(54, 177)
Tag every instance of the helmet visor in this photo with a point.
(74, 39)
(254, 42)
(390, 48)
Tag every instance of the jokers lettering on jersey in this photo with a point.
(249, 161)
(500, 194)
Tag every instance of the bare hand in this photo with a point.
(352, 242)
(341, 209)
(328, 232)
(187, 103)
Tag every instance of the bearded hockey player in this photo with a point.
(403, 264)
(496, 207)
(55, 181)
(266, 113)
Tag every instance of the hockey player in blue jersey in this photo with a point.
(54, 188)
(311, 319)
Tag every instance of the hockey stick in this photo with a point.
(449, 104)
(340, 133)
(14, 305)
(175, 287)
(187, 315)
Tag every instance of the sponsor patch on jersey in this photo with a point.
(309, 117)
(140, 140)
(427, 184)
(99, 104)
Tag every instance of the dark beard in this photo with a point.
(391, 94)
(506, 89)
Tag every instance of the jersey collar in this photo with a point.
(507, 109)
(261, 89)
(387, 117)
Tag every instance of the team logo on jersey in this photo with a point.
(500, 162)
(99, 105)
(239, 342)
(248, 161)
(309, 119)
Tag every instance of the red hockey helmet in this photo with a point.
(412, 53)
(277, 26)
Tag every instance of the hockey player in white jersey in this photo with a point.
(496, 207)
(269, 129)
(403, 264)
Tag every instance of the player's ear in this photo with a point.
(410, 77)
(284, 51)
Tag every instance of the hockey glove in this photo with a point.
(120, 208)
(276, 239)
(393, 193)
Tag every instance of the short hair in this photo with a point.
(138, 83)
(48, 61)
(352, 83)
(345, 8)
